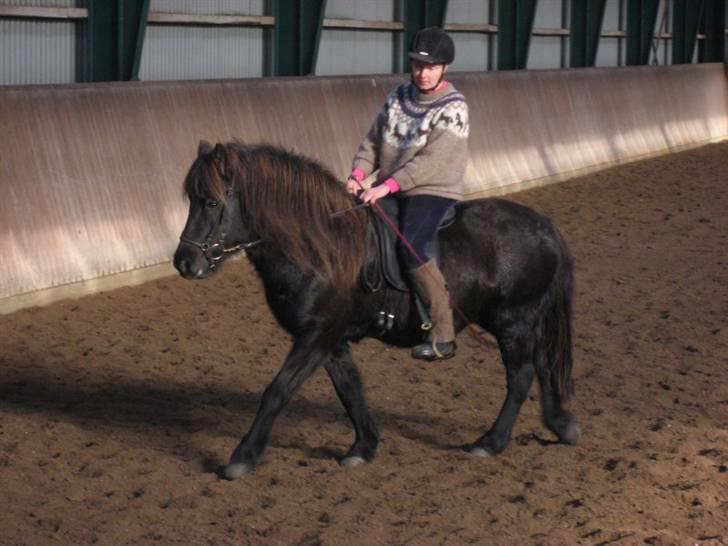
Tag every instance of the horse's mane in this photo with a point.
(288, 200)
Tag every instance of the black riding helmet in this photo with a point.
(432, 45)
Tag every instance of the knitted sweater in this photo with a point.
(420, 140)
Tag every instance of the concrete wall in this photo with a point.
(91, 175)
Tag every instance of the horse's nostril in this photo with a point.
(183, 266)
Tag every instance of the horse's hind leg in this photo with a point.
(347, 382)
(517, 351)
(555, 417)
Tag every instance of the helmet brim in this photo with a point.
(427, 59)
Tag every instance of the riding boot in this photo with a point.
(430, 285)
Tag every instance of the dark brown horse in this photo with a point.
(507, 267)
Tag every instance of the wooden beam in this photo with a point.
(550, 32)
(467, 27)
(43, 13)
(353, 24)
(160, 18)
(614, 34)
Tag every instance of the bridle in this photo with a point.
(213, 248)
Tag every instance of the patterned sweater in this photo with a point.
(420, 140)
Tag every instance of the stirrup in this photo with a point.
(434, 351)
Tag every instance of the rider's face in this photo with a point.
(426, 76)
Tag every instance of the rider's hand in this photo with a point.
(373, 194)
(353, 186)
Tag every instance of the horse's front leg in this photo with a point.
(305, 356)
(347, 382)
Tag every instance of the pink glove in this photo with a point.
(353, 183)
(372, 195)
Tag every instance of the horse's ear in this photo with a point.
(219, 151)
(221, 158)
(203, 148)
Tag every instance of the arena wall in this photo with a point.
(92, 174)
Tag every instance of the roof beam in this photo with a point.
(685, 20)
(515, 25)
(641, 17)
(712, 49)
(296, 36)
(114, 39)
(586, 26)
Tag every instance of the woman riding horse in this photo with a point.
(419, 143)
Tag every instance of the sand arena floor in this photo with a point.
(117, 409)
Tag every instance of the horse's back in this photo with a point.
(515, 251)
(504, 215)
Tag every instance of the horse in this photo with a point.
(507, 267)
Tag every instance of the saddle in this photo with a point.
(384, 271)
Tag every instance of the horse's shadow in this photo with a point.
(167, 415)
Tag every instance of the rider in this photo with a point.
(418, 141)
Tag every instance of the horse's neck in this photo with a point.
(276, 271)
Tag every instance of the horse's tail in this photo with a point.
(556, 342)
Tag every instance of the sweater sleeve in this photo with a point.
(366, 158)
(443, 159)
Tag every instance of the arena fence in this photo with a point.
(91, 175)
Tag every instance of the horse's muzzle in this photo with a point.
(191, 262)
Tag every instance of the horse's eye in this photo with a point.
(211, 203)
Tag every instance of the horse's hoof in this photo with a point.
(352, 461)
(480, 451)
(235, 470)
(572, 434)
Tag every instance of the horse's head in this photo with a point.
(214, 224)
(240, 194)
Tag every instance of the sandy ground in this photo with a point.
(116, 410)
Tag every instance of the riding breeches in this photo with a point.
(419, 218)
